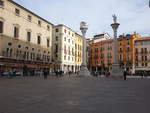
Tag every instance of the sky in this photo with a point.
(133, 15)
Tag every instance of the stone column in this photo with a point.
(83, 70)
(116, 71)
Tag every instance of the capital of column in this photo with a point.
(115, 26)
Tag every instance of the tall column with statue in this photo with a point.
(115, 71)
(84, 70)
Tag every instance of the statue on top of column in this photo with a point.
(114, 18)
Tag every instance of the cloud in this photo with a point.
(133, 15)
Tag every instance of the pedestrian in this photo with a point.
(142, 74)
(125, 74)
(45, 74)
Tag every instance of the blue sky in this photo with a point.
(133, 15)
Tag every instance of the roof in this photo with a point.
(29, 11)
(78, 34)
(143, 39)
(103, 41)
(100, 34)
(64, 26)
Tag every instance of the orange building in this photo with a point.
(126, 51)
(101, 55)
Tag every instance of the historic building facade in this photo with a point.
(78, 51)
(63, 48)
(25, 38)
(101, 55)
(126, 51)
(142, 54)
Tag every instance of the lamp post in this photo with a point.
(84, 71)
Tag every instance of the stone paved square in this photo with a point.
(74, 95)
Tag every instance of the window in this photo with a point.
(56, 38)
(48, 28)
(145, 58)
(65, 49)
(120, 49)
(57, 30)
(136, 50)
(1, 3)
(39, 40)
(75, 46)
(48, 42)
(145, 64)
(69, 51)
(65, 30)
(16, 32)
(145, 49)
(64, 57)
(29, 18)
(142, 50)
(1, 27)
(28, 36)
(128, 49)
(56, 48)
(136, 58)
(39, 22)
(142, 58)
(17, 11)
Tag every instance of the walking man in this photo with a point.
(125, 75)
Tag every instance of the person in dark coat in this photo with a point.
(45, 74)
(125, 75)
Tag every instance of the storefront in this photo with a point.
(26, 68)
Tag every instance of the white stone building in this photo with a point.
(63, 48)
(100, 37)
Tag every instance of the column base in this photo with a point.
(84, 72)
(116, 71)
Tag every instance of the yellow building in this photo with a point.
(126, 51)
(25, 39)
(78, 51)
